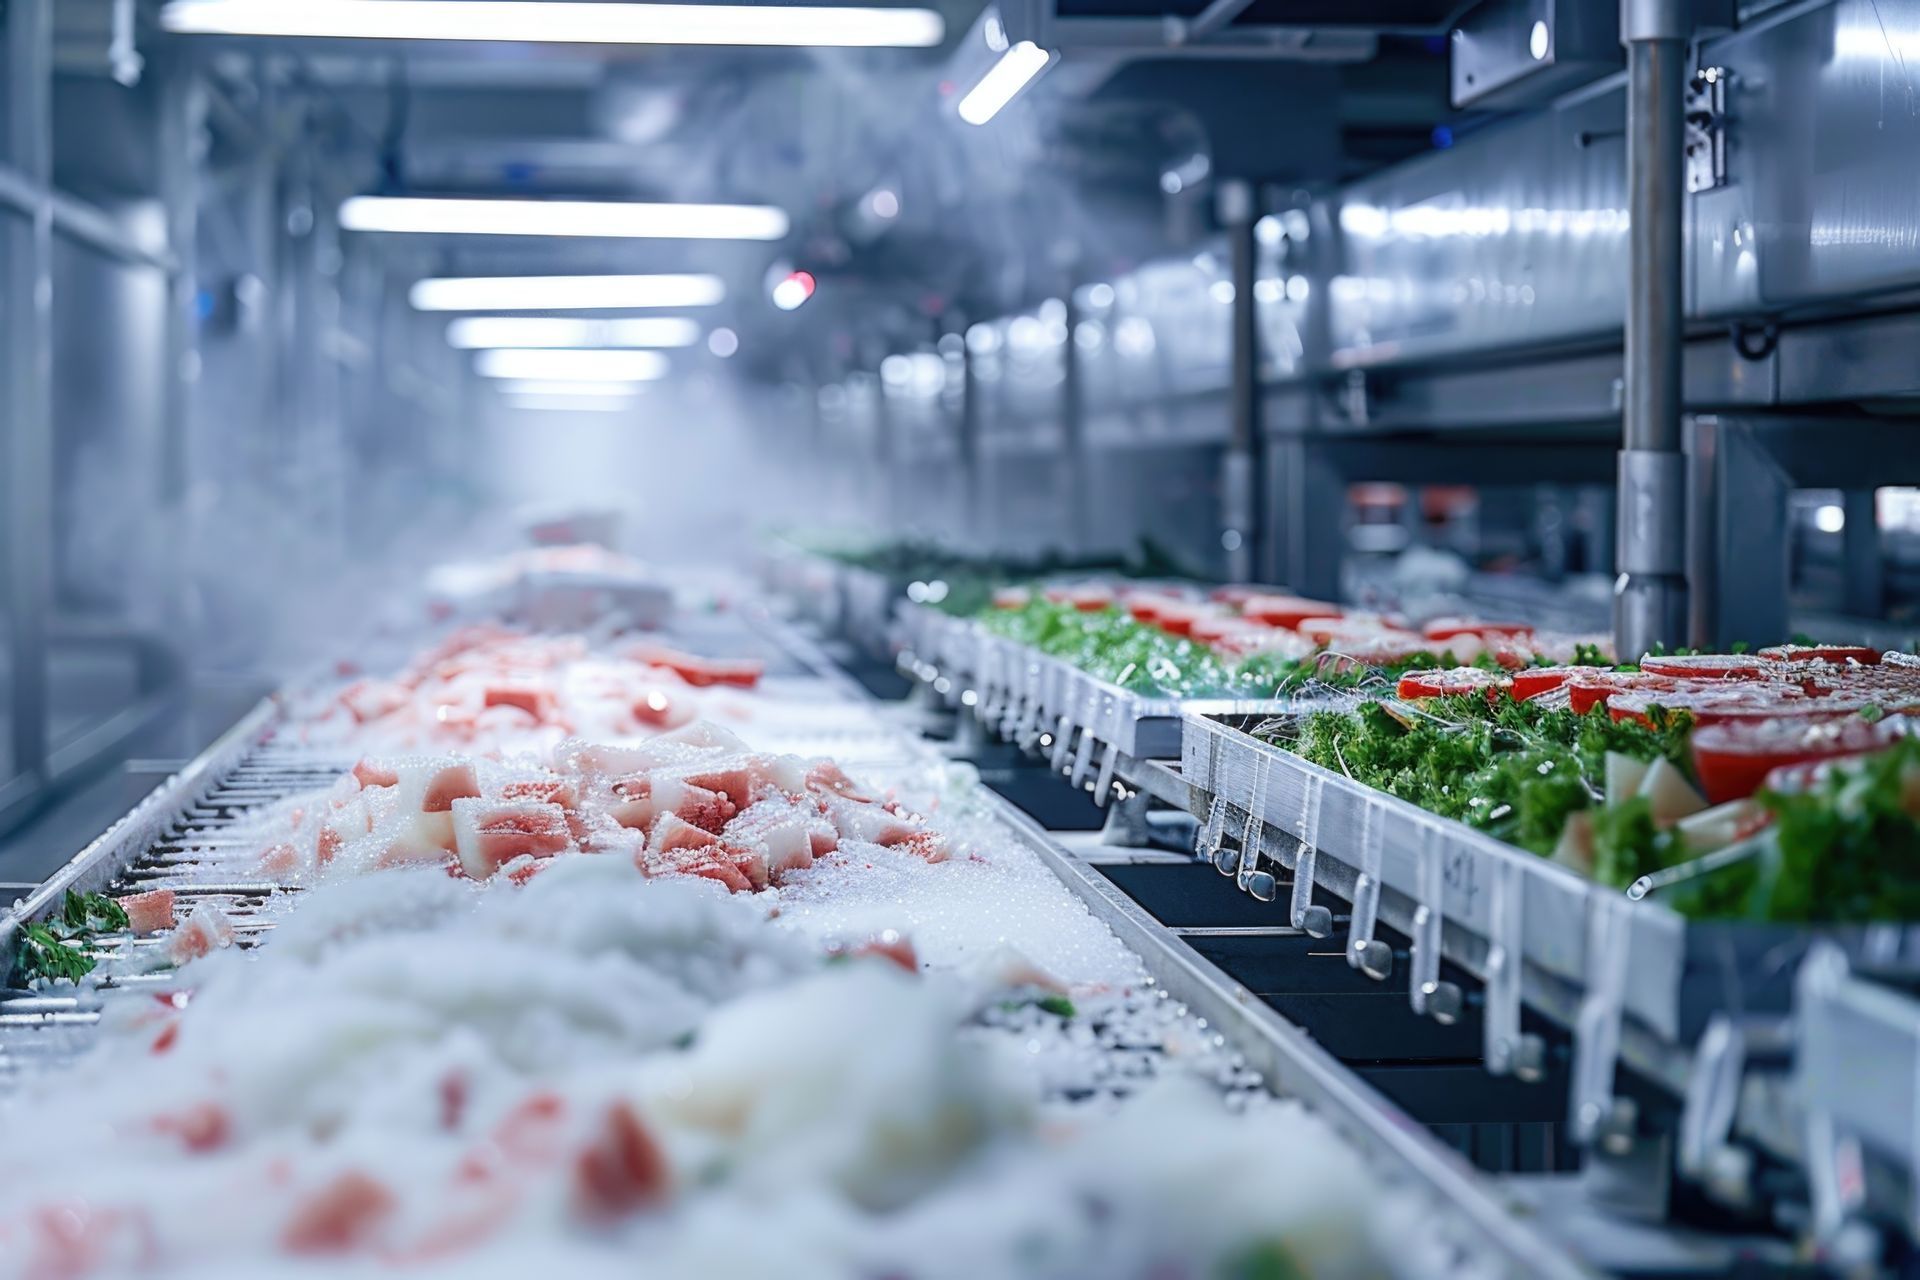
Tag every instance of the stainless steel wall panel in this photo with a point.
(1514, 237)
(1824, 194)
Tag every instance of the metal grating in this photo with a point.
(238, 776)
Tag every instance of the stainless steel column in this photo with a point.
(1650, 595)
(26, 309)
(1241, 532)
(973, 516)
(1076, 458)
(182, 146)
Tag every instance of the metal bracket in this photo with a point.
(1598, 1116)
(1250, 878)
(1426, 992)
(1706, 108)
(1315, 921)
(1509, 1050)
(1062, 743)
(1103, 784)
(1364, 952)
(1705, 1152)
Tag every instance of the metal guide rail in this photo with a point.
(1464, 1227)
(158, 845)
(1706, 1011)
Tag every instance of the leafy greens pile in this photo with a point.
(1516, 770)
(55, 947)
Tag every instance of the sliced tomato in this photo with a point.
(1865, 655)
(1742, 700)
(1735, 758)
(1534, 681)
(1597, 686)
(1286, 611)
(1453, 628)
(1708, 666)
(1442, 684)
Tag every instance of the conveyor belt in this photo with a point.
(1463, 1225)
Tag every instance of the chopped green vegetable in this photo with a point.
(1846, 850)
(1058, 1006)
(54, 948)
(44, 954)
(1516, 770)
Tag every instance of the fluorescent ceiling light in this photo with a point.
(478, 333)
(561, 22)
(620, 219)
(561, 365)
(566, 293)
(572, 404)
(1003, 82)
(604, 390)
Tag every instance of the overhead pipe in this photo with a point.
(1650, 593)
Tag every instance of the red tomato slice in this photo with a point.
(1441, 684)
(1534, 681)
(1744, 700)
(1596, 687)
(1453, 628)
(1708, 666)
(1286, 611)
(1835, 653)
(1735, 758)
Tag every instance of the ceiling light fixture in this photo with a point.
(479, 333)
(613, 219)
(566, 293)
(566, 365)
(1003, 82)
(561, 22)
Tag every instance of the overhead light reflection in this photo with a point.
(565, 365)
(561, 22)
(566, 293)
(478, 333)
(1003, 82)
(611, 219)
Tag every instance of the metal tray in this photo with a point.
(1024, 694)
(1635, 982)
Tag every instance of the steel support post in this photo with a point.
(26, 310)
(1863, 570)
(1740, 538)
(1310, 509)
(1075, 457)
(182, 147)
(1240, 482)
(1650, 594)
(973, 516)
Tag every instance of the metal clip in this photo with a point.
(1508, 1048)
(1706, 129)
(1426, 992)
(1252, 836)
(1314, 921)
(1597, 1114)
(1705, 1152)
(1207, 839)
(1365, 953)
(1082, 757)
(1062, 743)
(1103, 786)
